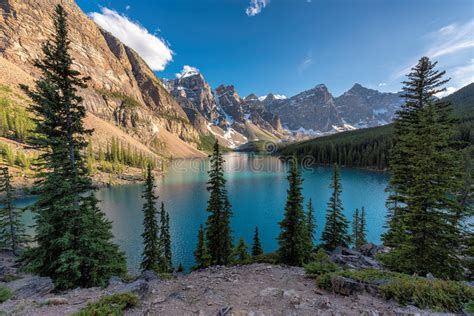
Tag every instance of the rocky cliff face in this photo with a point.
(312, 110)
(223, 112)
(123, 89)
(316, 111)
(363, 107)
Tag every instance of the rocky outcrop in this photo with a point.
(363, 107)
(353, 259)
(30, 286)
(313, 110)
(123, 90)
(192, 91)
(231, 119)
(317, 112)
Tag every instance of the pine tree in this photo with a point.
(151, 255)
(359, 229)
(293, 238)
(426, 222)
(240, 253)
(311, 224)
(12, 231)
(201, 254)
(355, 229)
(165, 240)
(362, 229)
(257, 246)
(335, 230)
(218, 232)
(73, 237)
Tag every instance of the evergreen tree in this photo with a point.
(311, 224)
(12, 231)
(201, 254)
(355, 229)
(359, 229)
(362, 228)
(73, 237)
(335, 231)
(240, 253)
(257, 246)
(218, 232)
(151, 255)
(426, 221)
(165, 240)
(293, 238)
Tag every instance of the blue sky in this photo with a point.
(287, 46)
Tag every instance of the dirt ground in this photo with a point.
(257, 289)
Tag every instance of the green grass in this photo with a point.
(5, 294)
(114, 305)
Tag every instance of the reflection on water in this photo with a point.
(257, 190)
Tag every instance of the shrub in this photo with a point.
(114, 305)
(434, 294)
(437, 294)
(270, 258)
(5, 294)
(324, 281)
(321, 264)
(469, 307)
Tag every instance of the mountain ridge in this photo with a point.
(123, 90)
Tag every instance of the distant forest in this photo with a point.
(370, 148)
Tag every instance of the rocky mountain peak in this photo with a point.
(251, 97)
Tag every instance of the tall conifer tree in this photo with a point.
(73, 236)
(240, 252)
(218, 231)
(257, 246)
(201, 254)
(335, 230)
(165, 240)
(311, 224)
(293, 238)
(151, 244)
(355, 228)
(12, 231)
(425, 220)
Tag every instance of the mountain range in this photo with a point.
(125, 98)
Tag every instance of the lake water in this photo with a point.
(257, 190)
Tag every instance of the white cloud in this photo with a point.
(452, 47)
(256, 6)
(448, 91)
(127, 7)
(382, 84)
(187, 71)
(151, 48)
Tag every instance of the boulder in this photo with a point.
(353, 259)
(148, 275)
(139, 287)
(371, 250)
(30, 286)
(114, 280)
(347, 287)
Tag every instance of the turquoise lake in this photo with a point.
(257, 190)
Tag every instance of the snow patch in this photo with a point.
(187, 71)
